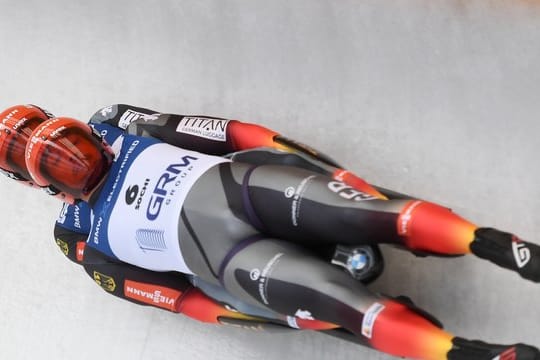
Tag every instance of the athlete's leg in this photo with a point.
(301, 206)
(217, 214)
(286, 279)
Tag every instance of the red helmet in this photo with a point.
(16, 125)
(69, 156)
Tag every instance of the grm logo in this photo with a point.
(161, 188)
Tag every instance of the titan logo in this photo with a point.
(130, 116)
(205, 123)
(209, 128)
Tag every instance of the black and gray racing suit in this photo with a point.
(255, 229)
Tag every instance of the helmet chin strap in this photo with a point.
(53, 191)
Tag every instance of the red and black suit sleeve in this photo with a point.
(219, 136)
(206, 134)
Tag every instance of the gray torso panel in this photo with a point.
(212, 219)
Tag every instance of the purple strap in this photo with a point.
(246, 201)
(235, 250)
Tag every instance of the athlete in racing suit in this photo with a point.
(306, 209)
(174, 291)
(171, 291)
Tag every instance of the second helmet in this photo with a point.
(69, 156)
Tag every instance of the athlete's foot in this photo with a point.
(508, 251)
(477, 350)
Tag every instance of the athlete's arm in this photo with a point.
(206, 134)
(218, 136)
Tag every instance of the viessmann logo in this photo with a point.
(152, 294)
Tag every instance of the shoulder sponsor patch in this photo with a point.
(130, 116)
(208, 128)
(106, 111)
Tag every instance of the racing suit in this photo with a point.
(175, 291)
(252, 225)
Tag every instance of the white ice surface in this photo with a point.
(439, 99)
